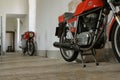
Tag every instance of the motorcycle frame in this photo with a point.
(97, 33)
(81, 10)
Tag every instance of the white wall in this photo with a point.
(14, 6)
(11, 24)
(11, 7)
(0, 31)
(47, 20)
(32, 15)
(24, 24)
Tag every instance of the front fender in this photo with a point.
(111, 28)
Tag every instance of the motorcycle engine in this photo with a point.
(89, 22)
(87, 27)
(84, 38)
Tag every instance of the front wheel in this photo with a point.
(68, 55)
(30, 48)
(116, 41)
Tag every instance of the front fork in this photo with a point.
(117, 17)
(28, 44)
(115, 12)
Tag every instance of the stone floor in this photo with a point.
(14, 66)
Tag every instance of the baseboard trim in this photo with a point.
(55, 54)
(102, 55)
(42, 53)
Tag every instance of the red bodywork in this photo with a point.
(28, 34)
(88, 5)
(83, 7)
(61, 18)
(110, 28)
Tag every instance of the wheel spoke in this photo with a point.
(31, 48)
(68, 55)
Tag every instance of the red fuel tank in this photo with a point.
(88, 5)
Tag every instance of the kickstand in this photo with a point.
(83, 64)
(94, 53)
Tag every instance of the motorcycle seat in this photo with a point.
(68, 15)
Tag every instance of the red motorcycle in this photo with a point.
(85, 29)
(27, 43)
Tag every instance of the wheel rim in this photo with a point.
(66, 53)
(30, 48)
(117, 40)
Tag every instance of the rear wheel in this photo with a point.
(116, 41)
(68, 55)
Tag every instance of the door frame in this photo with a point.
(13, 39)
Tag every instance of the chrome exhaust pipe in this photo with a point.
(68, 46)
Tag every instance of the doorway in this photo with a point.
(10, 41)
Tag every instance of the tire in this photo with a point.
(68, 55)
(30, 48)
(115, 38)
